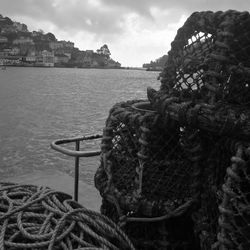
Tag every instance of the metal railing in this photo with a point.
(76, 153)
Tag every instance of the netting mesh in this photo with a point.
(147, 162)
(160, 170)
(218, 155)
(208, 57)
(155, 162)
(124, 156)
(235, 206)
(173, 234)
(148, 170)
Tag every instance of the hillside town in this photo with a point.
(20, 47)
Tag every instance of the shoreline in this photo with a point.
(71, 67)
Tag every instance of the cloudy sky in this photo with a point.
(136, 31)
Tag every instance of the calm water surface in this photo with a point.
(39, 105)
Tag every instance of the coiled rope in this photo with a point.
(34, 217)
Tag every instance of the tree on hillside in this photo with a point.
(6, 21)
(41, 31)
(104, 50)
(160, 62)
(24, 34)
(42, 45)
(50, 37)
(11, 36)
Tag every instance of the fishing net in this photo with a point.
(148, 170)
(205, 86)
(209, 59)
(167, 173)
(222, 221)
(235, 206)
(34, 217)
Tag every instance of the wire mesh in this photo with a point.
(208, 58)
(147, 162)
(152, 166)
(146, 171)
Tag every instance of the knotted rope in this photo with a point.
(34, 217)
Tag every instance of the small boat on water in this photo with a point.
(3, 67)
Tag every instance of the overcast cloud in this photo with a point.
(136, 31)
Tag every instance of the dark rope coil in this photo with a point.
(34, 217)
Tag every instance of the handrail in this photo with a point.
(76, 153)
(55, 145)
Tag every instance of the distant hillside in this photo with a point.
(156, 65)
(21, 47)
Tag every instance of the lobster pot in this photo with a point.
(216, 159)
(209, 59)
(234, 221)
(222, 221)
(222, 215)
(146, 169)
(205, 88)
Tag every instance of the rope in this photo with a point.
(34, 217)
(179, 211)
(235, 206)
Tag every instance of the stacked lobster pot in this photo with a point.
(146, 175)
(175, 169)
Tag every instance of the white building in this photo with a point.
(14, 51)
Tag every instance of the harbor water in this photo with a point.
(39, 105)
